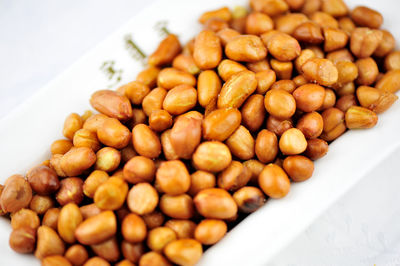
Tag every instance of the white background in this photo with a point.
(39, 39)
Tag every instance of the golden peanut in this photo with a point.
(182, 228)
(249, 199)
(173, 177)
(180, 99)
(274, 181)
(266, 146)
(48, 243)
(269, 7)
(329, 99)
(68, 220)
(253, 112)
(108, 159)
(335, 8)
(376, 100)
(387, 44)
(148, 76)
(107, 250)
(142, 199)
(114, 134)
(55, 260)
(86, 138)
(178, 207)
(227, 68)
(278, 126)
(215, 24)
(311, 124)
(185, 136)
(227, 34)
(61, 146)
(299, 168)
(321, 71)
(282, 46)
(167, 147)
(392, 61)
(241, 143)
(72, 124)
(319, 53)
(40, 204)
(366, 17)
(295, 5)
(333, 124)
(201, 180)
(159, 237)
(325, 20)
(308, 32)
(304, 56)
(222, 13)
(212, 156)
(299, 80)
(340, 55)
(77, 160)
(133, 228)
(145, 141)
(264, 80)
(236, 90)
(207, 50)
(208, 87)
(210, 231)
(246, 48)
(215, 203)
(235, 176)
(95, 122)
(221, 123)
(112, 104)
(154, 219)
(360, 117)
(93, 181)
(346, 101)
(367, 71)
(347, 25)
(43, 180)
(262, 65)
(289, 22)
(309, 97)
(311, 6)
(292, 142)
(96, 261)
(166, 51)
(97, 229)
(255, 168)
(185, 62)
(132, 251)
(139, 169)
(128, 153)
(257, 23)
(348, 72)
(17, 194)
(111, 194)
(364, 41)
(184, 251)
(25, 218)
(280, 104)
(50, 218)
(390, 82)
(76, 254)
(153, 258)
(154, 100)
(22, 240)
(89, 210)
(334, 39)
(283, 70)
(169, 78)
(316, 148)
(136, 91)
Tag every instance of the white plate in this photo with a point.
(27, 132)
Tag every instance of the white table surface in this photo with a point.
(39, 39)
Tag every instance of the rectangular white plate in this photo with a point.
(27, 132)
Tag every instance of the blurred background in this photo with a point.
(40, 39)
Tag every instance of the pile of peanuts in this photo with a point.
(204, 135)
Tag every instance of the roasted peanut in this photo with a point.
(182, 228)
(40, 204)
(180, 99)
(392, 61)
(72, 123)
(299, 168)
(77, 160)
(336, 8)
(376, 100)
(278, 126)
(367, 71)
(201, 180)
(132, 251)
(269, 7)
(308, 32)
(280, 103)
(68, 220)
(208, 87)
(50, 218)
(96, 261)
(274, 181)
(178, 207)
(227, 68)
(309, 97)
(133, 228)
(367, 17)
(154, 219)
(215, 203)
(139, 169)
(249, 199)
(185, 136)
(289, 22)
(235, 176)
(169, 78)
(48, 243)
(93, 181)
(347, 101)
(166, 51)
(17, 194)
(154, 100)
(321, 71)
(76, 254)
(266, 146)
(184, 251)
(311, 125)
(292, 142)
(227, 34)
(148, 76)
(325, 20)
(316, 148)
(159, 237)
(25, 218)
(145, 141)
(364, 41)
(282, 46)
(262, 65)
(257, 23)
(160, 120)
(390, 82)
(173, 177)
(241, 143)
(112, 104)
(387, 44)
(207, 50)
(360, 117)
(71, 191)
(153, 258)
(347, 25)
(111, 194)
(61, 146)
(222, 13)
(97, 229)
(55, 260)
(253, 112)
(333, 124)
(212, 156)
(43, 180)
(210, 231)
(283, 70)
(311, 6)
(246, 48)
(108, 159)
(168, 149)
(334, 39)
(142, 199)
(23, 239)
